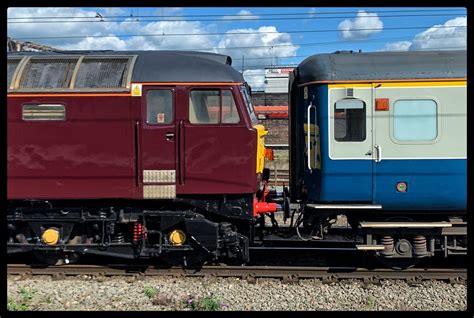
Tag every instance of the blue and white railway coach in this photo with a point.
(381, 136)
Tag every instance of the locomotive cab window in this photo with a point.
(230, 115)
(212, 107)
(159, 104)
(349, 120)
(248, 102)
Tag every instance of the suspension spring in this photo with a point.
(119, 238)
(388, 242)
(419, 244)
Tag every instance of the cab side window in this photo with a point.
(159, 106)
(230, 115)
(349, 120)
(212, 107)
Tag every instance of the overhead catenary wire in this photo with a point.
(276, 46)
(335, 42)
(235, 33)
(250, 18)
(93, 14)
(260, 67)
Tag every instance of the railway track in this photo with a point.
(250, 273)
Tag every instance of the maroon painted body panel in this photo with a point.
(92, 154)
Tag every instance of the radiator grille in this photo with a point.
(48, 73)
(101, 73)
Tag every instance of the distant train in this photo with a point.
(143, 154)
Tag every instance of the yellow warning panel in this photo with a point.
(136, 89)
(315, 160)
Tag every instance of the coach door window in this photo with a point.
(415, 120)
(159, 107)
(349, 120)
(212, 107)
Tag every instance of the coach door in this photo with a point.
(157, 135)
(347, 167)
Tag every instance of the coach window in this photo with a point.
(159, 107)
(415, 120)
(349, 120)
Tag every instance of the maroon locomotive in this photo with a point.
(131, 154)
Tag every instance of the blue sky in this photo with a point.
(262, 39)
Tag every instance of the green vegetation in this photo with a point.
(150, 292)
(23, 304)
(371, 302)
(207, 303)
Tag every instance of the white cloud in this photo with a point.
(241, 15)
(448, 36)
(33, 30)
(364, 20)
(113, 11)
(272, 44)
(259, 49)
(397, 46)
(451, 36)
(255, 78)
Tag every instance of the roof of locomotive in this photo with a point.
(342, 66)
(167, 66)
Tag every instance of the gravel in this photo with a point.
(168, 293)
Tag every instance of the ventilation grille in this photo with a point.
(48, 73)
(350, 92)
(101, 73)
(43, 112)
(11, 67)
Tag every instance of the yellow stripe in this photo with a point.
(399, 84)
(349, 85)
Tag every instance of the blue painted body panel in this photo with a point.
(433, 184)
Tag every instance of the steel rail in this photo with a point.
(250, 273)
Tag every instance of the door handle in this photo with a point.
(308, 141)
(378, 149)
(181, 151)
(368, 153)
(169, 136)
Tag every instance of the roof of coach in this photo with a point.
(165, 66)
(342, 66)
